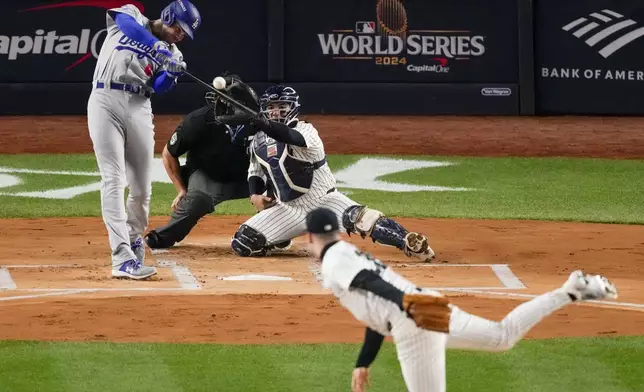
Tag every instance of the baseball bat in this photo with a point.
(223, 95)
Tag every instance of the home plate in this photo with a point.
(254, 277)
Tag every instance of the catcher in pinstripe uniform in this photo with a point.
(289, 153)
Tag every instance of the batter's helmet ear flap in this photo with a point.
(167, 15)
(184, 13)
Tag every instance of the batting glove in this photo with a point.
(162, 52)
(175, 68)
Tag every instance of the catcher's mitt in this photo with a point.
(428, 312)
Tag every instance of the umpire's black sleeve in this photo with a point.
(188, 131)
(369, 280)
(370, 348)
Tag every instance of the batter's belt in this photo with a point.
(125, 87)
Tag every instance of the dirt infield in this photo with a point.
(55, 272)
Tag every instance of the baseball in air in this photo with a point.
(219, 83)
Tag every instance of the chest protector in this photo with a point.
(291, 177)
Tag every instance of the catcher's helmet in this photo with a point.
(280, 94)
(184, 13)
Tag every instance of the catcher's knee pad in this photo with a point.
(373, 223)
(248, 242)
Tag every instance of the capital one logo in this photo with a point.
(42, 42)
(607, 29)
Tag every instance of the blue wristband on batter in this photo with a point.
(163, 82)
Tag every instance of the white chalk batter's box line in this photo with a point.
(183, 275)
(502, 271)
(188, 282)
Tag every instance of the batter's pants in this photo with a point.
(201, 198)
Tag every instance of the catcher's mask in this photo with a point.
(280, 103)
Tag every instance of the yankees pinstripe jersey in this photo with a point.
(340, 265)
(299, 174)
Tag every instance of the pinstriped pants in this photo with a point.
(285, 221)
(421, 353)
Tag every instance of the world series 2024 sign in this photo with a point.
(401, 40)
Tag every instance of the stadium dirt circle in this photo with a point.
(54, 273)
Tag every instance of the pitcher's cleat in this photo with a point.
(581, 287)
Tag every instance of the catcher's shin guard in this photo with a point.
(386, 231)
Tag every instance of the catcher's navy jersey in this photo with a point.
(294, 171)
(340, 265)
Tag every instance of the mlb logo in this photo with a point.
(365, 27)
(271, 150)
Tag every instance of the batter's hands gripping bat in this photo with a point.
(428, 312)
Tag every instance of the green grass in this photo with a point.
(520, 188)
(597, 365)
(570, 189)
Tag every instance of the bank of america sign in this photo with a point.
(606, 29)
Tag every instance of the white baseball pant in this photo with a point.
(422, 353)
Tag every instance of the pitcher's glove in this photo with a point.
(428, 312)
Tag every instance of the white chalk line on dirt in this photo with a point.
(6, 281)
(507, 277)
(627, 305)
(184, 276)
(97, 289)
(502, 272)
(43, 266)
(50, 294)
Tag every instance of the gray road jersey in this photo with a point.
(124, 60)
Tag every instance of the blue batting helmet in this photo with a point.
(281, 95)
(184, 13)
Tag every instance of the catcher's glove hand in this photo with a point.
(428, 312)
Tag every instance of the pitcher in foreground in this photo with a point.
(421, 322)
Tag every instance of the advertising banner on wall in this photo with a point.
(401, 41)
(589, 57)
(59, 41)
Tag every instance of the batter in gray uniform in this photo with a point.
(138, 58)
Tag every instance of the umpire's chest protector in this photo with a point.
(291, 177)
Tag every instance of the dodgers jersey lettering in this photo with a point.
(124, 60)
(340, 265)
(287, 166)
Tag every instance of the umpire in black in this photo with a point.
(216, 166)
